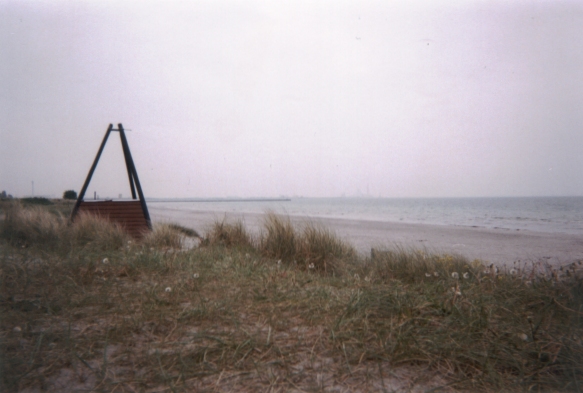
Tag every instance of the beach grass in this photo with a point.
(85, 307)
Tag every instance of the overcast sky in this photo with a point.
(312, 98)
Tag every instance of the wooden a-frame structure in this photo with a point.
(132, 215)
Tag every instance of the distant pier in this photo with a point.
(154, 200)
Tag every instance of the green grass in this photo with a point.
(85, 307)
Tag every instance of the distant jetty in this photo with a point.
(153, 200)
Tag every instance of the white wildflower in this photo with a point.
(17, 329)
(195, 275)
(279, 262)
(436, 274)
(522, 336)
(105, 260)
(367, 279)
(455, 275)
(456, 291)
(466, 275)
(427, 274)
(311, 266)
(168, 289)
(513, 271)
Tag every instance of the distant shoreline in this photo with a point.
(502, 247)
(154, 200)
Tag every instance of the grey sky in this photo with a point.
(313, 98)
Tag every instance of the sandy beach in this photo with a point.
(499, 246)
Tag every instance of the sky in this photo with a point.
(293, 98)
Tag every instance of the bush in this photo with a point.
(70, 194)
(36, 201)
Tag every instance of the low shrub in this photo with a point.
(36, 201)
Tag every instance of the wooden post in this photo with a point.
(90, 174)
(134, 174)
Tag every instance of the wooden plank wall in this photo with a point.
(128, 214)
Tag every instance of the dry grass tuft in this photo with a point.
(322, 250)
(229, 235)
(188, 232)
(37, 226)
(279, 240)
(94, 233)
(313, 247)
(415, 266)
(164, 236)
(34, 225)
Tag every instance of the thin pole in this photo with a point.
(126, 153)
(90, 174)
(132, 168)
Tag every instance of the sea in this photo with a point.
(541, 214)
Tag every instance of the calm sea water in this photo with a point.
(545, 214)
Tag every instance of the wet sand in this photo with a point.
(499, 246)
